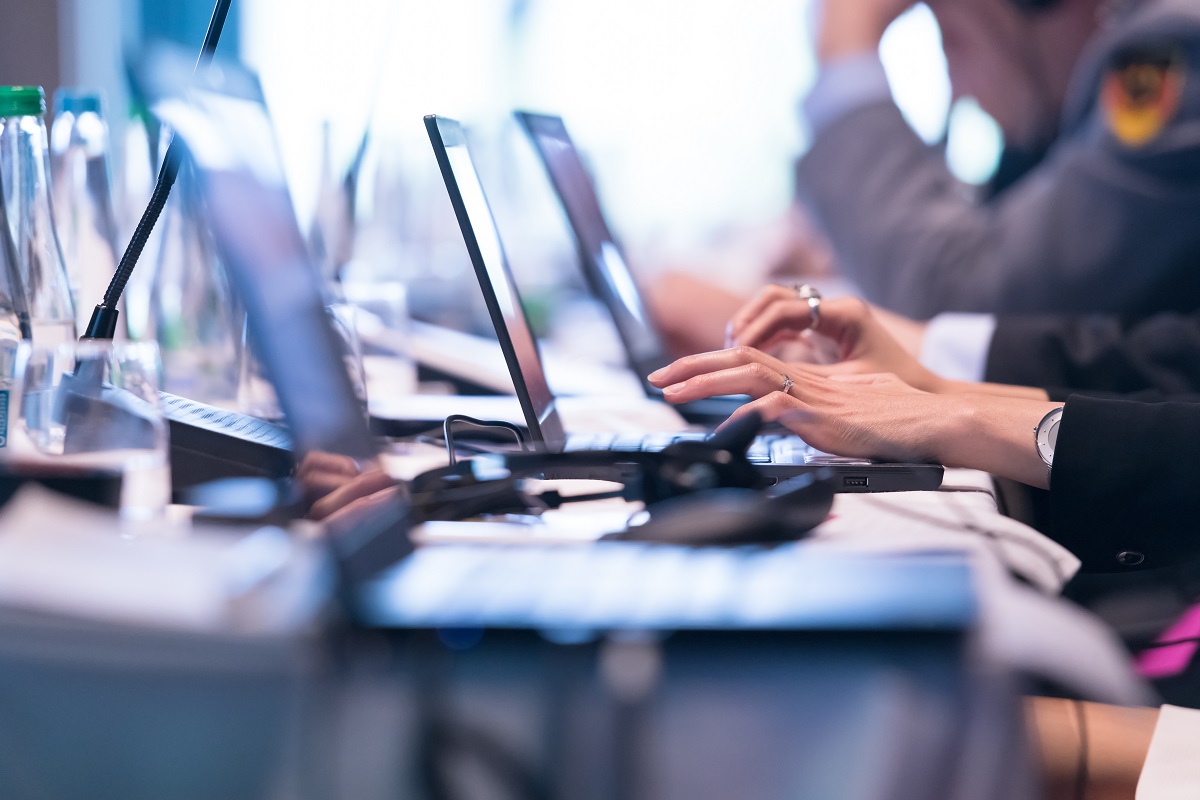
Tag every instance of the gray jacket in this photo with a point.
(1098, 226)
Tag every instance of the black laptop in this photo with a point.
(604, 266)
(779, 456)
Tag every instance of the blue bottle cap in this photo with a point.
(77, 101)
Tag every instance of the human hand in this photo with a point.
(852, 27)
(860, 341)
(870, 416)
(350, 491)
(865, 416)
(320, 473)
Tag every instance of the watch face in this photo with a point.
(1047, 435)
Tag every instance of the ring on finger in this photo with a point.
(787, 383)
(812, 296)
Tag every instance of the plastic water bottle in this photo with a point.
(14, 330)
(83, 203)
(25, 173)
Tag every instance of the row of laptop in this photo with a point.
(256, 230)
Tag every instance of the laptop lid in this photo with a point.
(603, 262)
(500, 293)
(222, 119)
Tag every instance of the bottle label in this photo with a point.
(3, 417)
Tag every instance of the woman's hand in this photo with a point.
(860, 341)
(869, 416)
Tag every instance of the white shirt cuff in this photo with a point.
(956, 345)
(1172, 768)
(844, 85)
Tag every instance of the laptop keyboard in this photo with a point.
(220, 420)
(766, 449)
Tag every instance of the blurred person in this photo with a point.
(1104, 223)
(1107, 92)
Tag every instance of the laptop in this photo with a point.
(221, 118)
(604, 267)
(780, 457)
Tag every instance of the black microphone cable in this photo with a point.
(103, 323)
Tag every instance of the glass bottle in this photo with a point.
(193, 313)
(25, 173)
(83, 204)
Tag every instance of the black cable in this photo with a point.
(103, 323)
(1168, 643)
(1081, 767)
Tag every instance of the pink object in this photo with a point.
(1172, 659)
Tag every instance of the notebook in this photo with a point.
(603, 262)
(221, 117)
(780, 457)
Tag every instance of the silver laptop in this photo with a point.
(604, 266)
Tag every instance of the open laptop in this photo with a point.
(603, 262)
(221, 118)
(779, 456)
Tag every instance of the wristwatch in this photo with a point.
(1045, 435)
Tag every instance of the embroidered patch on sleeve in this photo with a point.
(1140, 94)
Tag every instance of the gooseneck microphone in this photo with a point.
(103, 324)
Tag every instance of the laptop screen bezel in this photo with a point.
(538, 404)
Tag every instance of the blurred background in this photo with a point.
(688, 114)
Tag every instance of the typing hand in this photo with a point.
(351, 493)
(865, 416)
(853, 333)
(871, 415)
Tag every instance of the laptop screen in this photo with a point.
(496, 280)
(223, 121)
(603, 263)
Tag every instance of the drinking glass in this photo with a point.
(94, 404)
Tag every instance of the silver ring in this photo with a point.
(787, 384)
(812, 296)
(806, 291)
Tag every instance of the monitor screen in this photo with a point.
(602, 260)
(496, 280)
(224, 124)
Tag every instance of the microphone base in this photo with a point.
(103, 324)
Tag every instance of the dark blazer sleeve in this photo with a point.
(1160, 354)
(1125, 488)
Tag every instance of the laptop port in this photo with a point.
(856, 481)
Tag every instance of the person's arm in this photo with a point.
(906, 232)
(1117, 740)
(1096, 353)
(1123, 492)
(871, 416)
